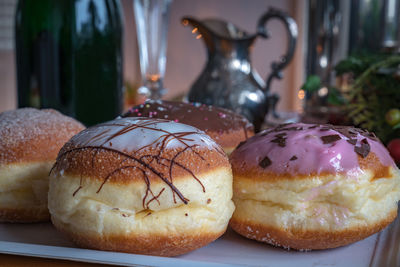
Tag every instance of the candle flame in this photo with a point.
(301, 94)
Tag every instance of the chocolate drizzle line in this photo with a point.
(161, 143)
(172, 162)
(160, 175)
(79, 188)
(155, 198)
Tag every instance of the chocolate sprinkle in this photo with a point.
(352, 141)
(347, 133)
(327, 139)
(265, 163)
(294, 128)
(280, 135)
(372, 136)
(364, 149)
(280, 141)
(282, 128)
(265, 133)
(324, 129)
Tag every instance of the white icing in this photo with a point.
(108, 135)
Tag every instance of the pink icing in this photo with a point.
(311, 154)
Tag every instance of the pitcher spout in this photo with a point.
(213, 31)
(201, 31)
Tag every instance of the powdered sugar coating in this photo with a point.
(31, 134)
(133, 134)
(304, 151)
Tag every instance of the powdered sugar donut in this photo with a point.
(29, 142)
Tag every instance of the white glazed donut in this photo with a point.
(141, 185)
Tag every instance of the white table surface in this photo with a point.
(42, 240)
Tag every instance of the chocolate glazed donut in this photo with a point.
(227, 128)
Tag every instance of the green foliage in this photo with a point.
(375, 91)
(357, 64)
(335, 97)
(351, 64)
(312, 84)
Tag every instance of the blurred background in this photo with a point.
(345, 68)
(186, 55)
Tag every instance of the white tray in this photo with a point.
(42, 240)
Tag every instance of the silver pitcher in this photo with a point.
(228, 79)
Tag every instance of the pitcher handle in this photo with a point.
(292, 32)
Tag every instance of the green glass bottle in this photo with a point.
(69, 57)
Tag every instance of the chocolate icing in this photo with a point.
(201, 116)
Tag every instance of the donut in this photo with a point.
(307, 187)
(29, 143)
(140, 185)
(227, 128)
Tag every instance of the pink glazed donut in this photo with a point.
(306, 187)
